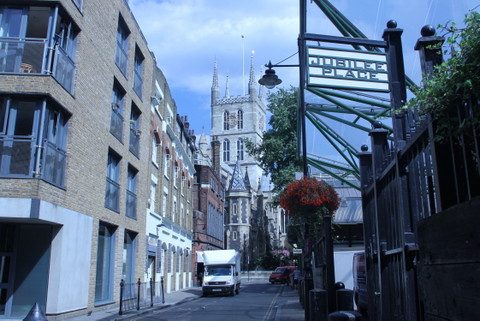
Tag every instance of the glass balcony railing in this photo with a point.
(134, 143)
(32, 56)
(131, 210)
(116, 124)
(22, 55)
(64, 69)
(121, 59)
(19, 158)
(112, 195)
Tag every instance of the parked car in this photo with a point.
(281, 274)
(360, 294)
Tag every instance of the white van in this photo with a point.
(222, 272)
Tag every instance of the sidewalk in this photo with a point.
(171, 299)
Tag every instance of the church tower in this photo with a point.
(234, 120)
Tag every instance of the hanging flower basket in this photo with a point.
(309, 196)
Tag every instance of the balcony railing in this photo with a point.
(112, 195)
(116, 124)
(134, 144)
(30, 56)
(121, 59)
(131, 210)
(22, 55)
(53, 164)
(17, 156)
(18, 159)
(64, 69)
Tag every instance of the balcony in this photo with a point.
(32, 56)
(116, 124)
(21, 157)
(112, 195)
(134, 143)
(131, 210)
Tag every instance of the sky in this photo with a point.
(188, 36)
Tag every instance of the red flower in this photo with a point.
(309, 194)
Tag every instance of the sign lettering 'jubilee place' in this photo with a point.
(347, 69)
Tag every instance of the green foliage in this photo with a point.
(277, 153)
(455, 80)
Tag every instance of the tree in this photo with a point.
(277, 153)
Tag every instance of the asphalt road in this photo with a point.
(256, 302)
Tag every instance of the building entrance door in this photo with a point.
(7, 237)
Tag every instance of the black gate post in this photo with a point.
(163, 290)
(151, 292)
(122, 285)
(138, 294)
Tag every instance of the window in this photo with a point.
(155, 144)
(234, 235)
(131, 208)
(175, 174)
(113, 178)
(174, 209)
(240, 119)
(21, 139)
(240, 149)
(234, 208)
(64, 58)
(166, 162)
(164, 203)
(138, 73)
(121, 54)
(118, 107)
(226, 119)
(134, 143)
(105, 258)
(226, 150)
(151, 200)
(128, 257)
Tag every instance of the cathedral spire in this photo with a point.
(237, 182)
(227, 90)
(252, 87)
(215, 88)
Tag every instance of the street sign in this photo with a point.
(347, 69)
(297, 251)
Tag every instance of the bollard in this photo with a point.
(300, 292)
(345, 316)
(35, 314)
(151, 292)
(163, 291)
(138, 294)
(122, 285)
(308, 285)
(318, 305)
(344, 300)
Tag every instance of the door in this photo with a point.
(7, 237)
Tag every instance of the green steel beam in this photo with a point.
(318, 165)
(333, 139)
(356, 99)
(319, 92)
(317, 108)
(343, 121)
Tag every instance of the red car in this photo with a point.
(281, 274)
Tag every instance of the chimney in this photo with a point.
(216, 155)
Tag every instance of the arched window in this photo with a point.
(240, 149)
(226, 150)
(240, 119)
(226, 117)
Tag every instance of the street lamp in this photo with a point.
(270, 80)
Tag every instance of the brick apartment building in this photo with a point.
(76, 145)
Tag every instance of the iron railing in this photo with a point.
(140, 295)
